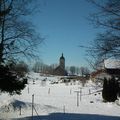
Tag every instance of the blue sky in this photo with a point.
(65, 27)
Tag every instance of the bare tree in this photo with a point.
(38, 66)
(72, 70)
(95, 63)
(7, 9)
(21, 68)
(77, 70)
(17, 36)
(84, 71)
(17, 39)
(107, 43)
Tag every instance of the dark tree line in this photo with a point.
(71, 70)
(41, 67)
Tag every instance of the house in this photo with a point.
(60, 70)
(99, 75)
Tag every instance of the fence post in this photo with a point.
(89, 92)
(20, 110)
(80, 94)
(28, 89)
(49, 91)
(70, 91)
(77, 97)
(32, 105)
(64, 109)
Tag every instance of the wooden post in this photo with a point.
(49, 91)
(64, 109)
(70, 91)
(28, 89)
(78, 98)
(80, 94)
(89, 92)
(20, 110)
(32, 105)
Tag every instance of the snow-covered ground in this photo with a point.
(57, 102)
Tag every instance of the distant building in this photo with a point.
(60, 70)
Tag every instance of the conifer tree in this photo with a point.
(105, 90)
(10, 82)
(110, 89)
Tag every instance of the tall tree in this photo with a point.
(107, 43)
(37, 67)
(21, 68)
(84, 71)
(110, 89)
(18, 37)
(72, 70)
(6, 10)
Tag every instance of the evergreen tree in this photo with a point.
(105, 90)
(10, 82)
(110, 89)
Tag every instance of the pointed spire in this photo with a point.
(62, 57)
(62, 54)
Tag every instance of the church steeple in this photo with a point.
(62, 57)
(62, 62)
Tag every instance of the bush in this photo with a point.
(10, 82)
(110, 90)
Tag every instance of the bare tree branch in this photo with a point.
(17, 35)
(107, 16)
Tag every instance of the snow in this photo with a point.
(112, 63)
(57, 102)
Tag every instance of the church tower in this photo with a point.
(60, 70)
(62, 62)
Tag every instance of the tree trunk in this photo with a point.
(2, 35)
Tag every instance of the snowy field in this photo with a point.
(57, 102)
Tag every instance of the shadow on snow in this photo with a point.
(70, 116)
